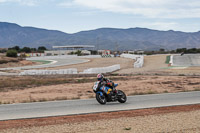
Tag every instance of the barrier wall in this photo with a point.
(102, 69)
(171, 60)
(139, 62)
(139, 59)
(62, 57)
(49, 72)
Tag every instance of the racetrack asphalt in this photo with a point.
(72, 107)
(186, 60)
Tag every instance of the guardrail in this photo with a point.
(139, 59)
(101, 69)
(49, 72)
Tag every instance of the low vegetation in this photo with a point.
(40, 49)
(11, 53)
(167, 59)
(21, 82)
(4, 60)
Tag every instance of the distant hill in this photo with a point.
(103, 38)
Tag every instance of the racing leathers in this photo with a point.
(106, 85)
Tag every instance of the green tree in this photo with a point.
(33, 49)
(17, 48)
(41, 49)
(162, 50)
(3, 51)
(26, 50)
(78, 52)
(180, 50)
(11, 53)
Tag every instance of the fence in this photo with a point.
(49, 72)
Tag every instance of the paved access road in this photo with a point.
(186, 60)
(55, 63)
(70, 107)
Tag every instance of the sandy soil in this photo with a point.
(186, 71)
(178, 119)
(18, 64)
(131, 85)
(151, 64)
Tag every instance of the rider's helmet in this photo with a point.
(99, 77)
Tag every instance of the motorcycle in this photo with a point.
(102, 97)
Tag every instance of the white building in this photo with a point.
(73, 49)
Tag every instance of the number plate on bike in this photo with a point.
(95, 85)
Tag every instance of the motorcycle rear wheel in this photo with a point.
(101, 99)
(121, 96)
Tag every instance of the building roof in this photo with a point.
(75, 46)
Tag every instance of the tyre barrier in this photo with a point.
(49, 72)
(107, 56)
(101, 69)
(139, 59)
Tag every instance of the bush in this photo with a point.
(11, 53)
(3, 61)
(78, 53)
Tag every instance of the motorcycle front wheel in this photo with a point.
(121, 96)
(101, 99)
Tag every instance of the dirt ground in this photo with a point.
(151, 64)
(154, 64)
(177, 119)
(131, 85)
(186, 71)
(15, 62)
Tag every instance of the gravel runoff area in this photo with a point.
(176, 119)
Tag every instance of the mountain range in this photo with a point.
(12, 34)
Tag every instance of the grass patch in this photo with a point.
(42, 61)
(165, 91)
(61, 98)
(20, 82)
(143, 93)
(91, 96)
(74, 98)
(152, 92)
(127, 128)
(197, 89)
(167, 59)
(136, 93)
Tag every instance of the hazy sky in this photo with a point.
(76, 15)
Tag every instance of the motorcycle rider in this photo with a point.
(103, 82)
